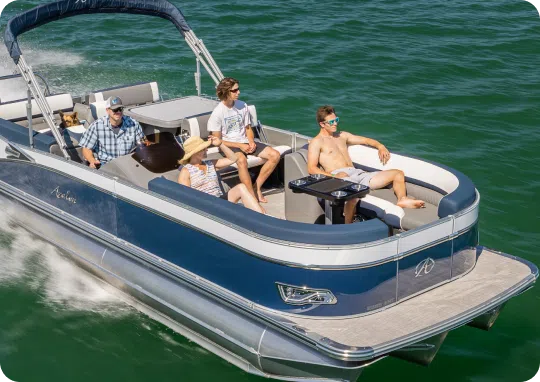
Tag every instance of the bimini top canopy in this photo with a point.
(46, 13)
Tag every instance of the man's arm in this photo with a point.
(384, 154)
(88, 142)
(241, 146)
(251, 138)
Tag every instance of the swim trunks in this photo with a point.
(356, 175)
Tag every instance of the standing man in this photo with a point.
(111, 136)
(230, 122)
(329, 149)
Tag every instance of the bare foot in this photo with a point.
(261, 197)
(408, 202)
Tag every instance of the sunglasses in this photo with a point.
(235, 90)
(332, 121)
(119, 110)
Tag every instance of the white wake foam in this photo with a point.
(40, 60)
(31, 263)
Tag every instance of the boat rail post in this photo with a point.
(29, 116)
(198, 77)
(42, 103)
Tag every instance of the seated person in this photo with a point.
(330, 149)
(111, 136)
(202, 176)
(230, 121)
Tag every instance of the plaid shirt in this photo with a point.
(101, 139)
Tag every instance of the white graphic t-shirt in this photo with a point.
(231, 122)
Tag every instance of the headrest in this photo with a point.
(98, 109)
(131, 95)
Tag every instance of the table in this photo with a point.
(334, 191)
(170, 114)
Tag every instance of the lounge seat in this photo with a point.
(380, 203)
(131, 95)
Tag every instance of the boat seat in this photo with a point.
(197, 126)
(378, 203)
(131, 95)
(15, 111)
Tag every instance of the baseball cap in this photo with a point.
(114, 103)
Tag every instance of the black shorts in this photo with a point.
(258, 150)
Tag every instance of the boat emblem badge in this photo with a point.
(64, 195)
(424, 267)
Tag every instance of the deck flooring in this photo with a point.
(493, 275)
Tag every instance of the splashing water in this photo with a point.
(39, 60)
(26, 260)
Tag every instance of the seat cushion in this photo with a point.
(412, 218)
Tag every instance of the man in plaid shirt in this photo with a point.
(111, 136)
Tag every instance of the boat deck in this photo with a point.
(276, 205)
(495, 279)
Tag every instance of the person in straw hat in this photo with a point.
(201, 174)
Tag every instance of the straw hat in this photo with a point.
(192, 146)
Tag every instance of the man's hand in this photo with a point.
(341, 175)
(252, 146)
(215, 141)
(94, 164)
(246, 149)
(384, 154)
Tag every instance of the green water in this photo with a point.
(455, 82)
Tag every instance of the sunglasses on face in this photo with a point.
(332, 121)
(235, 90)
(119, 110)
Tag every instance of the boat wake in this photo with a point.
(31, 263)
(16, 89)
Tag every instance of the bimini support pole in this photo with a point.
(42, 103)
(202, 53)
(29, 116)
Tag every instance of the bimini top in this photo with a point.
(46, 13)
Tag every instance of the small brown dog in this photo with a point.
(69, 120)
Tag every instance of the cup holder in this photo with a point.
(339, 194)
(317, 176)
(357, 187)
(298, 182)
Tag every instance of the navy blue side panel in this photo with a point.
(70, 195)
(58, 10)
(19, 134)
(464, 257)
(363, 232)
(424, 269)
(251, 277)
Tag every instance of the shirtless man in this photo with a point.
(330, 149)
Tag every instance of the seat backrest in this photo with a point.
(196, 125)
(16, 110)
(131, 95)
(299, 207)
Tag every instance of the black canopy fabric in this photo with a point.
(46, 13)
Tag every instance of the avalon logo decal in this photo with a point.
(64, 195)
(424, 267)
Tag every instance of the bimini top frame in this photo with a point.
(47, 13)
